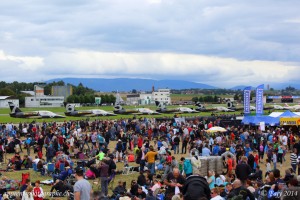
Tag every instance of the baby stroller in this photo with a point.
(263, 192)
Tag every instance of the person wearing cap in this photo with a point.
(82, 188)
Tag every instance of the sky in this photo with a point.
(221, 43)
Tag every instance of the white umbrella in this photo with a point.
(216, 129)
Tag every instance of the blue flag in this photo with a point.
(247, 93)
(259, 100)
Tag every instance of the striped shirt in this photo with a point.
(293, 159)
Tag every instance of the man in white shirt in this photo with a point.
(36, 160)
(284, 140)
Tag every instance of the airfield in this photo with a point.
(5, 118)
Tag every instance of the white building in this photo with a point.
(41, 100)
(162, 95)
(146, 99)
(139, 99)
(4, 102)
(44, 101)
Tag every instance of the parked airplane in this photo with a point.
(147, 111)
(118, 109)
(278, 107)
(252, 108)
(213, 109)
(85, 113)
(231, 106)
(294, 108)
(202, 108)
(161, 108)
(17, 113)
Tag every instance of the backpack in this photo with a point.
(195, 187)
(237, 197)
(241, 196)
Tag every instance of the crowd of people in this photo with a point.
(166, 154)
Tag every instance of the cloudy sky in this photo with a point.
(222, 43)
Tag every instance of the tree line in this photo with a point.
(81, 94)
(90, 98)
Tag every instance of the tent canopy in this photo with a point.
(255, 120)
(287, 113)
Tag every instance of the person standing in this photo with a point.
(176, 142)
(150, 157)
(38, 193)
(294, 159)
(104, 168)
(243, 170)
(82, 188)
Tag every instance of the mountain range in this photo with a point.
(128, 84)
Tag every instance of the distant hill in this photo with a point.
(127, 84)
(241, 87)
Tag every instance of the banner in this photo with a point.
(262, 126)
(259, 100)
(289, 121)
(247, 93)
(98, 100)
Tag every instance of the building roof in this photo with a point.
(29, 92)
(3, 97)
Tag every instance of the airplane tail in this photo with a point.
(159, 105)
(13, 108)
(199, 105)
(118, 107)
(70, 107)
(230, 105)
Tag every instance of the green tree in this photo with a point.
(200, 99)
(195, 99)
(6, 92)
(71, 99)
(134, 91)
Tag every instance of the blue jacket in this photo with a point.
(187, 166)
(216, 150)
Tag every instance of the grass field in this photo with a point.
(5, 118)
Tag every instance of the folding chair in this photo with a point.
(25, 176)
(128, 170)
(50, 168)
(72, 164)
(62, 167)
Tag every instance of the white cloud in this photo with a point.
(218, 71)
(236, 41)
